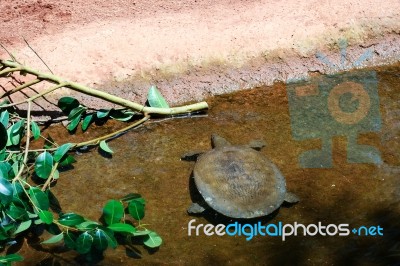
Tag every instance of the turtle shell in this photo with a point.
(239, 182)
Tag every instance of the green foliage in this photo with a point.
(4, 118)
(54, 239)
(22, 226)
(15, 133)
(6, 260)
(6, 191)
(104, 146)
(113, 212)
(86, 122)
(46, 216)
(84, 243)
(44, 165)
(61, 151)
(136, 208)
(66, 104)
(100, 241)
(102, 113)
(35, 130)
(39, 199)
(155, 98)
(26, 201)
(69, 159)
(123, 228)
(152, 240)
(70, 219)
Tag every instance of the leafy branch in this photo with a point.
(26, 174)
(7, 67)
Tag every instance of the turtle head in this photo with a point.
(218, 142)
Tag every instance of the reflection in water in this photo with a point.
(147, 161)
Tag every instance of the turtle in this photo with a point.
(237, 181)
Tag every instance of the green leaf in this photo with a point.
(84, 243)
(155, 98)
(17, 213)
(35, 130)
(102, 113)
(61, 151)
(87, 225)
(39, 198)
(14, 168)
(66, 104)
(23, 226)
(6, 191)
(4, 118)
(113, 211)
(44, 165)
(5, 167)
(3, 154)
(76, 112)
(46, 216)
(112, 242)
(15, 132)
(32, 215)
(136, 208)
(100, 240)
(7, 226)
(69, 240)
(54, 239)
(104, 146)
(86, 122)
(18, 189)
(3, 137)
(70, 219)
(122, 228)
(74, 123)
(56, 174)
(152, 240)
(69, 159)
(11, 258)
(142, 232)
(122, 115)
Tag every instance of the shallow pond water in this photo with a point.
(364, 193)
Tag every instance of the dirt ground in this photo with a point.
(192, 49)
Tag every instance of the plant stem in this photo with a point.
(35, 96)
(108, 136)
(103, 95)
(9, 70)
(23, 86)
(48, 181)
(28, 136)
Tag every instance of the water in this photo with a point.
(147, 161)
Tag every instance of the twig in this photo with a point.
(37, 55)
(32, 98)
(50, 178)
(5, 71)
(10, 54)
(23, 86)
(108, 136)
(28, 136)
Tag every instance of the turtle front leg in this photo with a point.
(195, 208)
